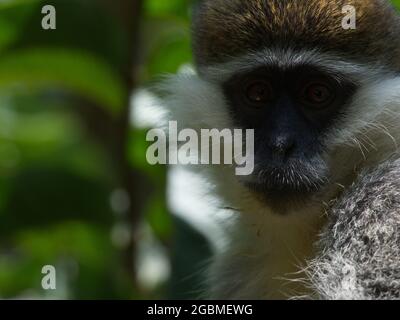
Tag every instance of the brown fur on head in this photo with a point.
(224, 29)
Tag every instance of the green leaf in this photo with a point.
(158, 217)
(83, 254)
(170, 7)
(76, 71)
(5, 4)
(396, 3)
(13, 17)
(40, 196)
(8, 32)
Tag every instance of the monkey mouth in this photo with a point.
(294, 181)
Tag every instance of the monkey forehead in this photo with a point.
(224, 29)
(290, 59)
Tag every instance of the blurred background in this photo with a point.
(76, 191)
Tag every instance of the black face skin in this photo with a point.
(291, 111)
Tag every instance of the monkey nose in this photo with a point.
(282, 147)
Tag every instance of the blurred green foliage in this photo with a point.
(62, 93)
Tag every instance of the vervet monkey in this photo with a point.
(319, 216)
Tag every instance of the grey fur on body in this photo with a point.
(360, 256)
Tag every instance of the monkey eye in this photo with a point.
(258, 92)
(317, 94)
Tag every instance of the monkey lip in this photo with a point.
(289, 181)
(284, 195)
(284, 190)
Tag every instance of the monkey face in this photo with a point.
(291, 111)
(318, 96)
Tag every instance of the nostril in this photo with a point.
(282, 146)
